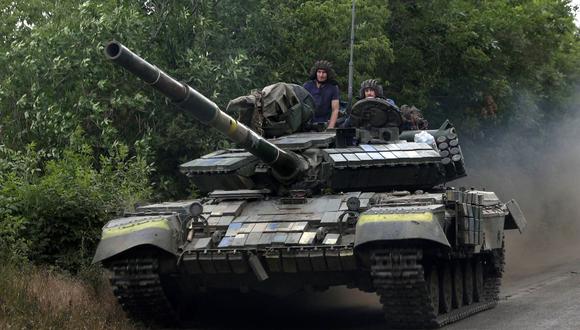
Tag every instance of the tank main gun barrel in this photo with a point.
(285, 164)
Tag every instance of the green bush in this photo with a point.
(55, 215)
(15, 169)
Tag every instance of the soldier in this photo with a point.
(371, 88)
(324, 89)
(413, 119)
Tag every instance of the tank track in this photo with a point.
(137, 286)
(399, 280)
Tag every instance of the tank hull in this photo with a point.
(393, 244)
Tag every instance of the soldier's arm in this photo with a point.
(334, 104)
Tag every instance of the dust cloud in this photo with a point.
(543, 175)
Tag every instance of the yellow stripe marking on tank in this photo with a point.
(396, 217)
(134, 227)
(233, 127)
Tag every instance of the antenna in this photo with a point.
(351, 63)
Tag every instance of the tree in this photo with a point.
(485, 59)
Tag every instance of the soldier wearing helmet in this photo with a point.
(323, 87)
(372, 88)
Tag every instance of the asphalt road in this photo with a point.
(546, 298)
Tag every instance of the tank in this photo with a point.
(364, 206)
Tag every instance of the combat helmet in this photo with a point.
(373, 84)
(323, 65)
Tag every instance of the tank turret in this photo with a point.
(285, 164)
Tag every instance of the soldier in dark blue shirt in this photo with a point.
(324, 89)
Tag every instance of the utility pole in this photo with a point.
(351, 63)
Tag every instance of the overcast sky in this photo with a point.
(577, 3)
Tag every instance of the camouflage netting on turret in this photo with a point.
(276, 110)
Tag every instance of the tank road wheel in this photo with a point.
(445, 288)
(432, 281)
(457, 285)
(478, 294)
(467, 282)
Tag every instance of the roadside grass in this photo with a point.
(39, 298)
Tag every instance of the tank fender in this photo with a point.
(515, 219)
(387, 224)
(122, 234)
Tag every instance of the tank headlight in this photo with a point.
(353, 203)
(196, 209)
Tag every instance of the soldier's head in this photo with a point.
(413, 118)
(322, 72)
(370, 88)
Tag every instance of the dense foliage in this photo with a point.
(81, 139)
(52, 211)
(481, 61)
